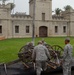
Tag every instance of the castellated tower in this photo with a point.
(5, 20)
(42, 7)
(43, 17)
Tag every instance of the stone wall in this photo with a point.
(8, 21)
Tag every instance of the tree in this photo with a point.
(12, 5)
(57, 11)
(67, 7)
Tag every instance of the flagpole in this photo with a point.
(33, 25)
(13, 8)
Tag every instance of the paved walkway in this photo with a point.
(18, 69)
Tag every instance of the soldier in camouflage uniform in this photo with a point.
(40, 56)
(67, 57)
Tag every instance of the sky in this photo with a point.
(23, 5)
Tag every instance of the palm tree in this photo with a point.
(67, 7)
(57, 11)
(12, 5)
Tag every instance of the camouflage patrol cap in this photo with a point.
(39, 42)
(67, 39)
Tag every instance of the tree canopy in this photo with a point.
(57, 11)
(67, 7)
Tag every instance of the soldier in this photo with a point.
(67, 57)
(40, 56)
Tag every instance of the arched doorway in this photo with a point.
(43, 31)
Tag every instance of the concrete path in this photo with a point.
(18, 69)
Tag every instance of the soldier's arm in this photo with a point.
(47, 53)
(70, 51)
(34, 54)
(65, 52)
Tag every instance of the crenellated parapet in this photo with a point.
(64, 15)
(5, 10)
(21, 16)
(7, 6)
(57, 17)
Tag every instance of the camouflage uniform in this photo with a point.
(40, 55)
(67, 57)
(44, 43)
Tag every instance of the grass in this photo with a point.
(9, 48)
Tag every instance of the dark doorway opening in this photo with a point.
(43, 31)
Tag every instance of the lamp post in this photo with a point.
(68, 25)
(33, 25)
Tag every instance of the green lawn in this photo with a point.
(9, 48)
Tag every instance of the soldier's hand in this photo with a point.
(48, 59)
(61, 62)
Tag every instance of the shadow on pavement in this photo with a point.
(18, 69)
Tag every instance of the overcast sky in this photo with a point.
(23, 5)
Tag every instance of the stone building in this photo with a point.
(19, 25)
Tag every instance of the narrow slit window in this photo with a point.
(64, 29)
(0, 29)
(43, 16)
(27, 29)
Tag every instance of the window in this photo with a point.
(27, 29)
(0, 29)
(43, 16)
(16, 29)
(56, 29)
(64, 29)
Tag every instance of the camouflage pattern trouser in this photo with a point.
(67, 68)
(40, 66)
